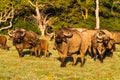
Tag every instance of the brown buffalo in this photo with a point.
(99, 42)
(3, 42)
(86, 43)
(41, 45)
(87, 38)
(114, 35)
(23, 39)
(67, 43)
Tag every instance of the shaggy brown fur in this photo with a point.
(67, 43)
(23, 39)
(3, 42)
(41, 45)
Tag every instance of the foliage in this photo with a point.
(27, 24)
(70, 13)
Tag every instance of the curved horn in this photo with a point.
(22, 29)
(19, 29)
(24, 32)
(98, 36)
(11, 33)
(67, 34)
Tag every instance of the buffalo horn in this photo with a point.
(11, 32)
(69, 35)
(23, 33)
(98, 36)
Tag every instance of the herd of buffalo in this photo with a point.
(67, 41)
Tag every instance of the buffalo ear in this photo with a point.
(65, 39)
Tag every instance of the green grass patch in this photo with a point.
(31, 68)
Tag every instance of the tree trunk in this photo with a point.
(86, 10)
(41, 19)
(97, 15)
(42, 32)
(42, 29)
(85, 14)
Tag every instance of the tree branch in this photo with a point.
(31, 3)
(6, 27)
(5, 16)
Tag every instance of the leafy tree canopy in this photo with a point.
(65, 13)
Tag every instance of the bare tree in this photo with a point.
(97, 15)
(6, 16)
(42, 20)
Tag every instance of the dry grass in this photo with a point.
(31, 68)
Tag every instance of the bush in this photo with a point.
(27, 24)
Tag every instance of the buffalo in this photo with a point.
(23, 39)
(41, 45)
(67, 43)
(114, 35)
(99, 42)
(87, 43)
(3, 42)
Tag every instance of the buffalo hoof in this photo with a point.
(111, 55)
(94, 58)
(62, 65)
(8, 48)
(101, 61)
(38, 56)
(74, 64)
(21, 55)
(81, 65)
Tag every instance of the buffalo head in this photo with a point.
(102, 37)
(62, 35)
(17, 35)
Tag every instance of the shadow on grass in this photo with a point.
(27, 52)
(70, 59)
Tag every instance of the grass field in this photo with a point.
(31, 68)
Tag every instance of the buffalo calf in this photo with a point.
(41, 45)
(3, 41)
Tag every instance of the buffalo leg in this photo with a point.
(74, 59)
(63, 62)
(38, 53)
(20, 52)
(101, 58)
(89, 49)
(111, 54)
(95, 54)
(62, 59)
(102, 54)
(82, 59)
(31, 51)
(46, 53)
